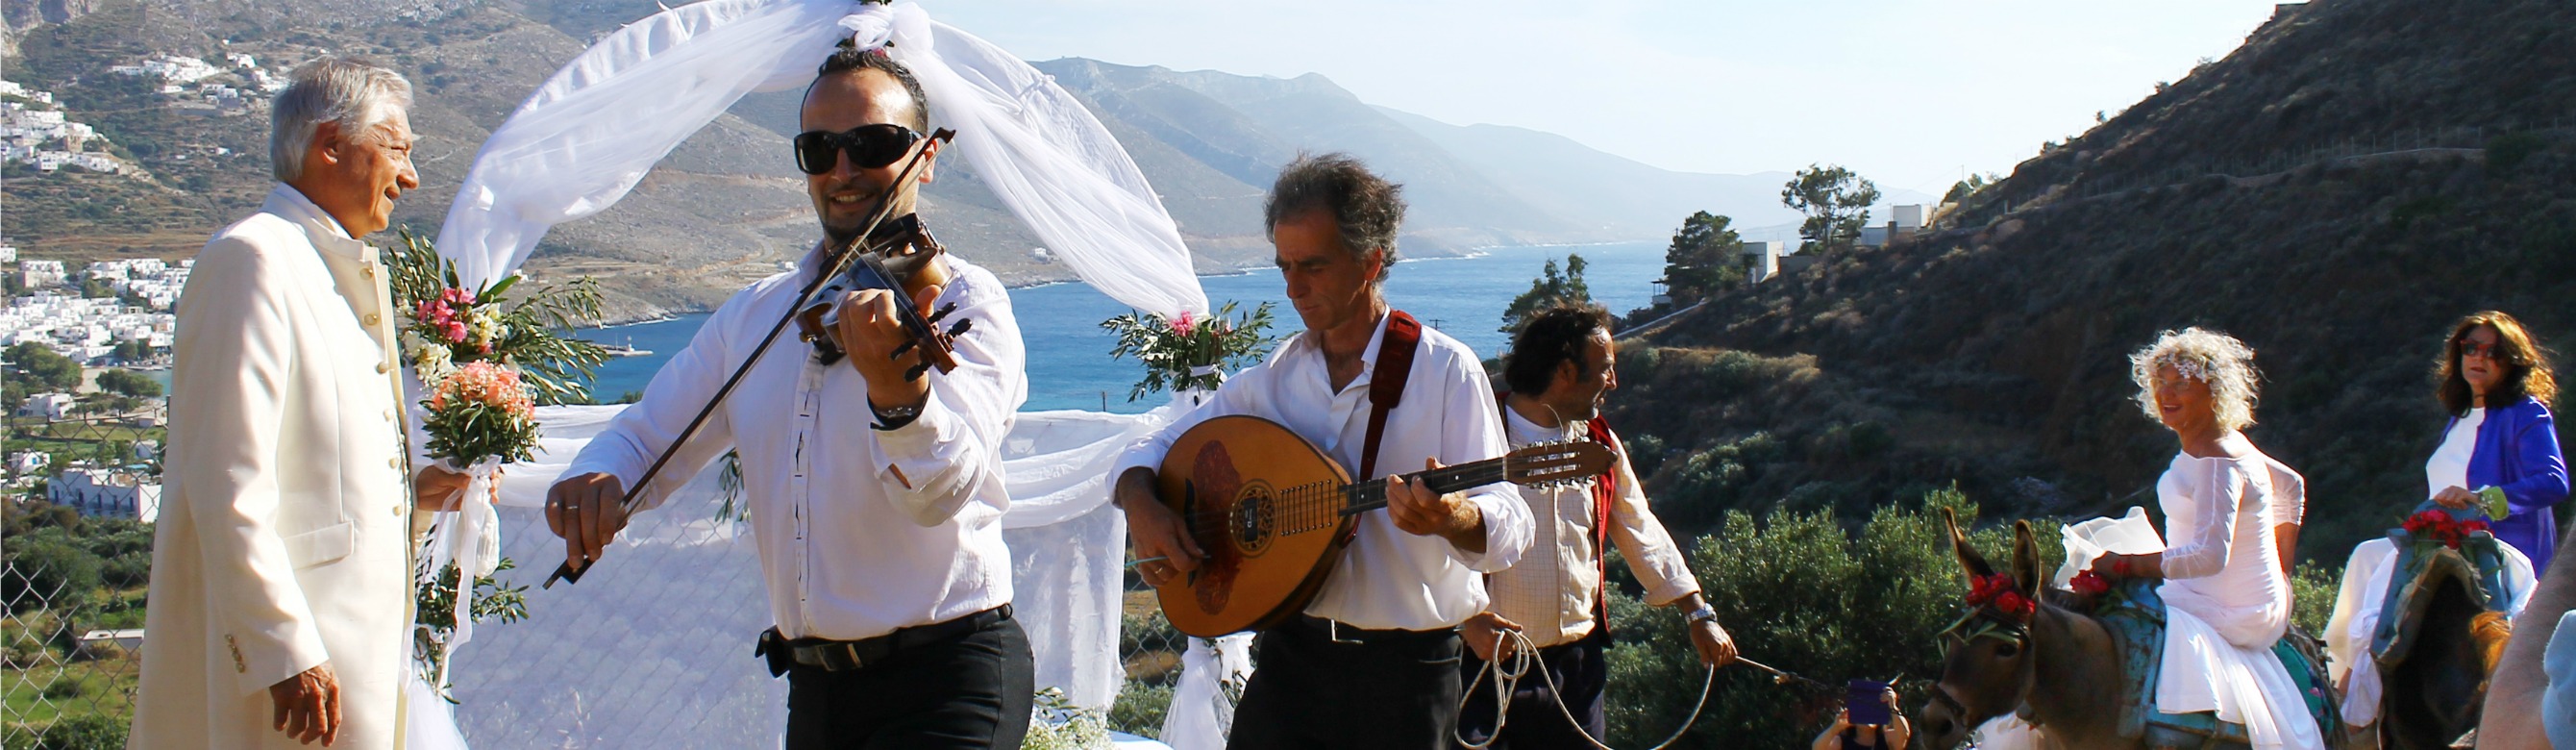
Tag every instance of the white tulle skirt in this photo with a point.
(2204, 671)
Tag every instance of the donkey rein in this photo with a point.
(1524, 657)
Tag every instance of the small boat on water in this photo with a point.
(625, 350)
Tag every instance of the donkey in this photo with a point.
(2060, 670)
(2435, 679)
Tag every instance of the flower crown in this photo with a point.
(1998, 590)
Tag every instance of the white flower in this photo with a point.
(432, 361)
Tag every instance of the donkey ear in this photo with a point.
(1969, 559)
(2026, 559)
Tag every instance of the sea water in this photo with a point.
(1069, 362)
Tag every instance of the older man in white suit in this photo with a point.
(281, 588)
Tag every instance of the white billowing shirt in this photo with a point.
(1387, 579)
(1551, 592)
(2221, 560)
(2449, 466)
(860, 531)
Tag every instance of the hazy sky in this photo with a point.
(1911, 94)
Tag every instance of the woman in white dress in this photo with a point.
(2226, 598)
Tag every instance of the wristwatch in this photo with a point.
(1704, 612)
(893, 418)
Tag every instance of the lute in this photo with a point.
(1273, 513)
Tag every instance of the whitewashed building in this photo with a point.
(37, 274)
(100, 493)
(48, 405)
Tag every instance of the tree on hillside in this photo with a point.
(127, 383)
(37, 368)
(1967, 188)
(1549, 288)
(1836, 201)
(1703, 258)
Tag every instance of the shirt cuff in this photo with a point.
(1503, 543)
(1673, 590)
(917, 453)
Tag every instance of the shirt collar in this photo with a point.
(327, 234)
(1314, 342)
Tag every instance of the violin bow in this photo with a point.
(839, 259)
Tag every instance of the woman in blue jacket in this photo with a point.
(2497, 386)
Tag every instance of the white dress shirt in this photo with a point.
(1552, 591)
(861, 531)
(1387, 579)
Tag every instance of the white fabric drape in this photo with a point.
(591, 132)
(654, 649)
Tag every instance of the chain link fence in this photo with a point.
(77, 561)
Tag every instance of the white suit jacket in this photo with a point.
(284, 537)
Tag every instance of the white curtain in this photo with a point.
(654, 648)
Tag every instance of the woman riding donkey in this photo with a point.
(2225, 595)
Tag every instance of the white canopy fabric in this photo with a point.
(584, 139)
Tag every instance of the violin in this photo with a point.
(892, 255)
(896, 257)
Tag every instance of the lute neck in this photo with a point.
(1361, 497)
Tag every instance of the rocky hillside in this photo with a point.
(728, 205)
(2335, 192)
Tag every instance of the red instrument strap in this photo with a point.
(1386, 389)
(1394, 358)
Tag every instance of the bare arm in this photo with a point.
(2513, 719)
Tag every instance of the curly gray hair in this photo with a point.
(2211, 357)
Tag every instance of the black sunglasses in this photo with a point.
(869, 147)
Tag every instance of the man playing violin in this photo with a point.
(1373, 660)
(875, 489)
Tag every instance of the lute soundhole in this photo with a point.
(1255, 518)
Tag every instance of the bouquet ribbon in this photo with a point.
(470, 539)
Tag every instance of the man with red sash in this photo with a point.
(1562, 366)
(1373, 660)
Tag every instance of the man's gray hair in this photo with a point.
(1366, 209)
(355, 93)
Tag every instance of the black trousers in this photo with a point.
(1582, 673)
(1389, 689)
(972, 693)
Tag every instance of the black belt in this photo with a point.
(1337, 632)
(842, 656)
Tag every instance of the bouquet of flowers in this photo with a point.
(1189, 353)
(2436, 525)
(485, 361)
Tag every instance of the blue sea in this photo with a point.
(1069, 363)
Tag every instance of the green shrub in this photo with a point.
(1140, 708)
(83, 732)
(1799, 593)
(2505, 152)
(51, 570)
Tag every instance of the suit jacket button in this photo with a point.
(383, 368)
(394, 463)
(372, 318)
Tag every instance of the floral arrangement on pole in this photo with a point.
(1191, 353)
(485, 360)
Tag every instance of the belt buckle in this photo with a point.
(842, 657)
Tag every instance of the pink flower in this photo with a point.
(457, 297)
(454, 331)
(1184, 325)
